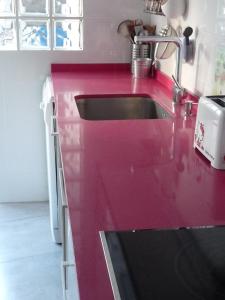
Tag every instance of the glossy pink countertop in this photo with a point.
(133, 174)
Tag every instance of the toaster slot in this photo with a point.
(220, 100)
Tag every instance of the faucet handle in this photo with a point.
(188, 106)
(178, 94)
(178, 91)
(176, 82)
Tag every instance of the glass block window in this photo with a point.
(7, 34)
(7, 8)
(41, 25)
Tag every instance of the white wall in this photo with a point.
(22, 145)
(207, 18)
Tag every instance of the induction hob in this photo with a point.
(176, 264)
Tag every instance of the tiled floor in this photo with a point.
(29, 260)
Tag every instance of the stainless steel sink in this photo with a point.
(120, 108)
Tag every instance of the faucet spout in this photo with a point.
(178, 41)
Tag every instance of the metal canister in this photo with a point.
(139, 51)
(141, 67)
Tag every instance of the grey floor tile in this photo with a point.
(26, 237)
(29, 260)
(17, 211)
(33, 278)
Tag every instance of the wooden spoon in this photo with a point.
(124, 29)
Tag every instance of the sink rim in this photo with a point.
(124, 97)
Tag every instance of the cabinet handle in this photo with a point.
(65, 265)
(62, 188)
(53, 132)
(64, 233)
(64, 276)
(64, 207)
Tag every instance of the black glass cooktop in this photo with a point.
(181, 264)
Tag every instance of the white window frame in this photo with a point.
(51, 17)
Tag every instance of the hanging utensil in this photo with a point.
(187, 33)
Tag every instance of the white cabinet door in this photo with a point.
(72, 292)
(69, 275)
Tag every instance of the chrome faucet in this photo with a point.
(178, 41)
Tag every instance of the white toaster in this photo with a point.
(209, 136)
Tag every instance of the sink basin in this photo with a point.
(119, 108)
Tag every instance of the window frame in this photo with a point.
(50, 17)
